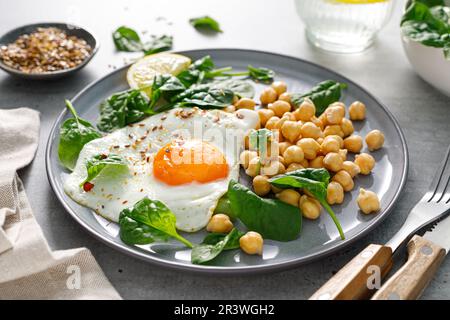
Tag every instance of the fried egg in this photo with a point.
(182, 157)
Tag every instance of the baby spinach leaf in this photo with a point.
(313, 180)
(122, 108)
(322, 95)
(196, 72)
(232, 243)
(241, 88)
(272, 218)
(205, 23)
(112, 164)
(74, 134)
(126, 39)
(204, 97)
(204, 253)
(224, 206)
(155, 214)
(159, 44)
(167, 86)
(134, 232)
(261, 74)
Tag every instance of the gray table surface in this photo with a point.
(423, 113)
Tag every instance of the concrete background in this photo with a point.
(423, 113)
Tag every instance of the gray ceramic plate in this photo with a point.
(319, 237)
(71, 30)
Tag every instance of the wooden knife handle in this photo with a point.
(350, 283)
(408, 283)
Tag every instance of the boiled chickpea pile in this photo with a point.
(307, 141)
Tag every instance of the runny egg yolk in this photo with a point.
(181, 162)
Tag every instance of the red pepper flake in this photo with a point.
(125, 202)
(87, 186)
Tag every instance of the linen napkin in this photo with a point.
(28, 268)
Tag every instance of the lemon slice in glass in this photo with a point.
(142, 72)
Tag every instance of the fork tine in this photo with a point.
(441, 180)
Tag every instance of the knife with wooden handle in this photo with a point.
(353, 280)
(425, 255)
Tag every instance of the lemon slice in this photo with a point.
(142, 72)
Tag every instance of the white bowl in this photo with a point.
(429, 63)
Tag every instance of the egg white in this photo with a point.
(192, 204)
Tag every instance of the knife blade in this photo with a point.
(425, 255)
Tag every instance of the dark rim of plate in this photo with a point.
(143, 255)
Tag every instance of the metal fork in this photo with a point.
(351, 281)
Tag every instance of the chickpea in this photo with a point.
(343, 154)
(294, 166)
(334, 115)
(323, 119)
(290, 196)
(282, 146)
(305, 111)
(245, 103)
(304, 163)
(310, 130)
(275, 189)
(317, 122)
(368, 201)
(333, 129)
(357, 111)
(231, 108)
(293, 154)
(280, 107)
(246, 156)
(335, 193)
(344, 179)
(280, 123)
(282, 161)
(268, 95)
(265, 115)
(347, 127)
(289, 115)
(273, 168)
(319, 140)
(340, 105)
(353, 143)
(333, 161)
(219, 223)
(280, 87)
(261, 185)
(310, 207)
(337, 138)
(329, 145)
(285, 97)
(374, 140)
(351, 168)
(251, 243)
(254, 167)
(291, 130)
(365, 163)
(271, 123)
(317, 162)
(310, 148)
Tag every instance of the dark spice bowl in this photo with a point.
(69, 29)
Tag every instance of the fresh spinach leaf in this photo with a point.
(195, 74)
(205, 23)
(159, 44)
(232, 243)
(102, 163)
(126, 39)
(261, 74)
(121, 109)
(74, 134)
(167, 86)
(134, 232)
(204, 97)
(313, 180)
(322, 95)
(204, 253)
(224, 206)
(272, 218)
(241, 88)
(155, 214)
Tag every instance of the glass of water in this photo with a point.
(344, 26)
